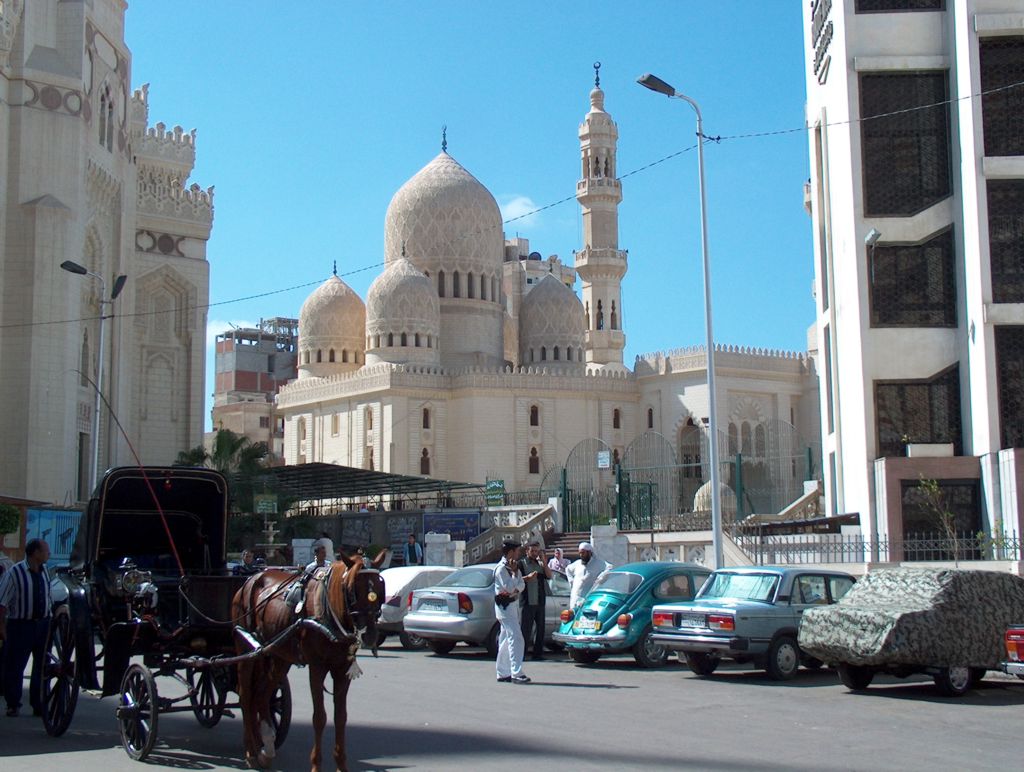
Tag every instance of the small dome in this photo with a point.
(402, 305)
(551, 324)
(702, 500)
(446, 219)
(332, 328)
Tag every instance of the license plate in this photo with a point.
(691, 620)
(586, 624)
(433, 604)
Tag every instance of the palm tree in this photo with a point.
(235, 456)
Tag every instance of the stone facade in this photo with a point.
(85, 178)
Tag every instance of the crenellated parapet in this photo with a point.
(160, 146)
(726, 356)
(161, 194)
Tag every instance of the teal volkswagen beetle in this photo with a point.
(615, 617)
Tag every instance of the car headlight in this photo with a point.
(132, 581)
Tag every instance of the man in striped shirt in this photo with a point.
(24, 619)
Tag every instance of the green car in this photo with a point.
(615, 617)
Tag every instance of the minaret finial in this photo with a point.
(444, 139)
(335, 271)
(597, 75)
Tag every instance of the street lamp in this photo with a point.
(657, 84)
(72, 267)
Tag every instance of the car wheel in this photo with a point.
(953, 681)
(647, 653)
(412, 641)
(702, 664)
(584, 656)
(856, 678)
(441, 647)
(491, 644)
(783, 658)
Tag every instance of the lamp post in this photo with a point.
(72, 267)
(657, 84)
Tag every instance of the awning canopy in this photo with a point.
(319, 482)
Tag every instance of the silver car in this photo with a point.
(399, 584)
(461, 608)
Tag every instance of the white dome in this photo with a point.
(702, 500)
(446, 219)
(332, 329)
(551, 325)
(402, 301)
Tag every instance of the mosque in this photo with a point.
(474, 359)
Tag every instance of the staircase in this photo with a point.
(569, 542)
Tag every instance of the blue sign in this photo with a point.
(463, 526)
(57, 527)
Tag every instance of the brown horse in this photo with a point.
(340, 605)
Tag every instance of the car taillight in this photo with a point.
(721, 622)
(624, 620)
(1015, 644)
(465, 604)
(662, 618)
(408, 601)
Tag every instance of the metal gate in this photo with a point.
(649, 482)
(589, 485)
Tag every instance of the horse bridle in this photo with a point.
(352, 601)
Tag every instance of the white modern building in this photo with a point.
(916, 128)
(85, 178)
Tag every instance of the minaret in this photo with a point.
(600, 264)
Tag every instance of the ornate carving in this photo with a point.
(49, 97)
(402, 299)
(10, 15)
(104, 188)
(157, 243)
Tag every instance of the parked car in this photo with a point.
(749, 614)
(947, 623)
(461, 608)
(615, 617)
(399, 584)
(1014, 638)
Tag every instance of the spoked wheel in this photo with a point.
(137, 712)
(647, 653)
(281, 711)
(59, 685)
(207, 693)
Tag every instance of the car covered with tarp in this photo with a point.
(946, 623)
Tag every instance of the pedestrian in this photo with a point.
(248, 565)
(535, 573)
(319, 557)
(584, 573)
(328, 545)
(558, 562)
(508, 583)
(413, 552)
(24, 619)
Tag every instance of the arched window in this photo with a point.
(83, 362)
(456, 289)
(483, 287)
(416, 340)
(110, 122)
(319, 356)
(615, 318)
(391, 339)
(103, 118)
(426, 418)
(615, 457)
(586, 314)
(543, 353)
(600, 315)
(430, 341)
(302, 428)
(344, 355)
(760, 441)
(534, 461)
(733, 440)
(330, 355)
(368, 418)
(305, 357)
(440, 284)
(376, 341)
(405, 340)
(650, 418)
(470, 288)
(495, 296)
(616, 419)
(557, 354)
(425, 462)
(746, 444)
(534, 415)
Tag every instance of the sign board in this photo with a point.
(604, 459)
(57, 527)
(265, 503)
(461, 525)
(494, 492)
(302, 551)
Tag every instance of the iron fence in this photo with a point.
(838, 548)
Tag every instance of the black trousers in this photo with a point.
(532, 620)
(25, 638)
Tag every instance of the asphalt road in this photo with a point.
(417, 711)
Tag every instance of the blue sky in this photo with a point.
(311, 115)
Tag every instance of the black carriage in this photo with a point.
(148, 580)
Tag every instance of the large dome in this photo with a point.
(446, 220)
(332, 330)
(402, 305)
(551, 325)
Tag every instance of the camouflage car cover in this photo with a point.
(915, 616)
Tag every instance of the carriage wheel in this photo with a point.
(137, 712)
(207, 694)
(281, 711)
(59, 684)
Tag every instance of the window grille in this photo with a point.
(960, 497)
(1002, 64)
(926, 411)
(913, 285)
(1006, 239)
(872, 6)
(1010, 375)
(906, 153)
